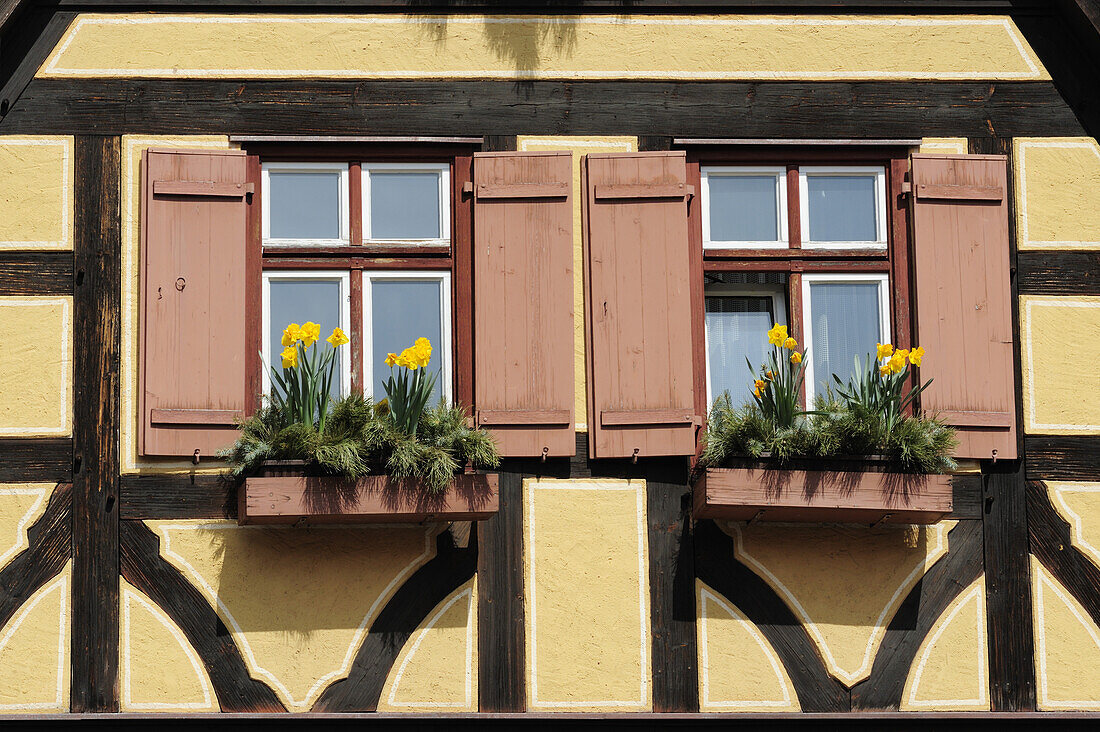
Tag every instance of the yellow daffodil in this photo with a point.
(796, 357)
(897, 362)
(756, 393)
(884, 370)
(291, 335)
(290, 357)
(759, 384)
(391, 359)
(769, 375)
(777, 334)
(916, 355)
(338, 338)
(310, 334)
(884, 350)
(409, 359)
(423, 350)
(790, 344)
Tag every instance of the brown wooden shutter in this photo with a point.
(196, 286)
(523, 301)
(641, 396)
(963, 297)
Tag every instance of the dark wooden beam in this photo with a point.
(594, 6)
(36, 273)
(650, 108)
(177, 497)
(1052, 544)
(1052, 457)
(97, 304)
(1058, 273)
(24, 49)
(48, 551)
(36, 459)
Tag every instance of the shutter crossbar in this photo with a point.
(619, 192)
(195, 416)
(629, 417)
(523, 190)
(959, 192)
(501, 417)
(201, 188)
(976, 419)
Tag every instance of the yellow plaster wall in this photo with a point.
(34, 651)
(739, 671)
(544, 47)
(437, 669)
(35, 366)
(945, 145)
(21, 504)
(579, 146)
(1079, 505)
(297, 601)
(586, 574)
(823, 574)
(1058, 192)
(159, 671)
(132, 148)
(1067, 647)
(1060, 346)
(950, 671)
(36, 192)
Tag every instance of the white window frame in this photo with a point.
(730, 171)
(444, 278)
(444, 171)
(843, 170)
(343, 203)
(343, 277)
(778, 294)
(883, 281)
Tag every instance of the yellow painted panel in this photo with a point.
(159, 670)
(36, 370)
(1058, 189)
(950, 672)
(21, 504)
(1067, 647)
(739, 671)
(437, 669)
(34, 652)
(36, 192)
(541, 47)
(945, 145)
(1061, 347)
(846, 616)
(132, 148)
(297, 601)
(587, 591)
(1079, 505)
(579, 146)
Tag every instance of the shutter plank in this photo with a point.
(963, 298)
(523, 301)
(195, 279)
(639, 317)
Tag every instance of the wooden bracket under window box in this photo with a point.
(779, 494)
(302, 500)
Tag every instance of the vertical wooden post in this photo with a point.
(1009, 613)
(97, 306)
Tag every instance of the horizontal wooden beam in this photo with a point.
(1058, 273)
(177, 496)
(665, 108)
(1050, 457)
(36, 273)
(36, 459)
(605, 6)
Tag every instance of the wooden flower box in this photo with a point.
(299, 499)
(849, 496)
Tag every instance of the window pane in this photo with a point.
(743, 208)
(294, 301)
(304, 205)
(842, 207)
(737, 328)
(846, 323)
(403, 311)
(404, 206)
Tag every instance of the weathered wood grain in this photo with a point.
(1058, 273)
(1052, 543)
(23, 50)
(48, 550)
(97, 304)
(1051, 457)
(36, 273)
(177, 496)
(36, 459)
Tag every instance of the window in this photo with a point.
(801, 236)
(305, 204)
(407, 202)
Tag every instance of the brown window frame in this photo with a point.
(894, 261)
(358, 257)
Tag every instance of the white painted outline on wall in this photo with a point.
(1021, 165)
(52, 68)
(468, 593)
(64, 240)
(60, 703)
(238, 634)
(848, 677)
(740, 618)
(63, 428)
(1039, 578)
(1076, 522)
(982, 702)
(639, 488)
(128, 704)
(1034, 425)
(21, 540)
